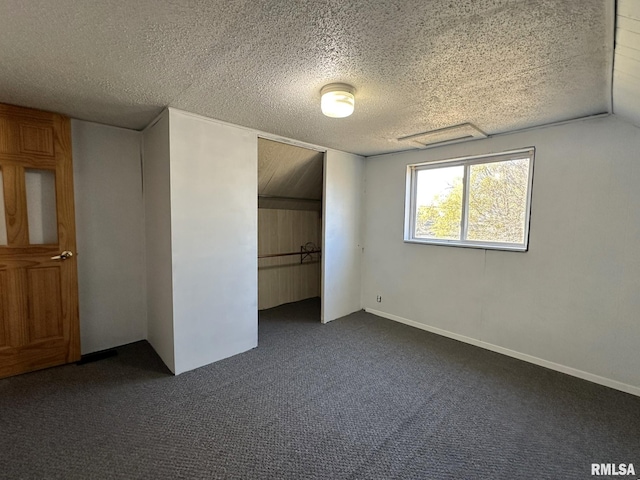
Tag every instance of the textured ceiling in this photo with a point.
(626, 72)
(417, 65)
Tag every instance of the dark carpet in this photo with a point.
(359, 398)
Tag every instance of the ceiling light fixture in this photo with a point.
(338, 100)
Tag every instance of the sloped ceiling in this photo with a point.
(626, 72)
(417, 65)
(287, 172)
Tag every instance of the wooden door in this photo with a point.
(38, 282)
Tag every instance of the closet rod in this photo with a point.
(306, 252)
(296, 199)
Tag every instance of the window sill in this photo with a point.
(510, 247)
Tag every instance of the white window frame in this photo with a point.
(410, 200)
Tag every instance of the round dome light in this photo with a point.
(338, 100)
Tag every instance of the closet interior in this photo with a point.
(290, 182)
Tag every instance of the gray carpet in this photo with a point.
(359, 398)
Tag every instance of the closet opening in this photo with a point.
(290, 188)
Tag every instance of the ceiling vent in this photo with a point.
(443, 136)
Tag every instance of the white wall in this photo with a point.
(626, 61)
(214, 175)
(110, 235)
(571, 302)
(157, 204)
(175, 260)
(342, 239)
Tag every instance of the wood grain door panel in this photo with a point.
(15, 205)
(44, 293)
(4, 304)
(39, 324)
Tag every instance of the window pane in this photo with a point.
(3, 221)
(41, 206)
(439, 203)
(498, 201)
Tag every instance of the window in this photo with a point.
(481, 201)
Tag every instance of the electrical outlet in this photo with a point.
(379, 299)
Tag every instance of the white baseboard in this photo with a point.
(607, 382)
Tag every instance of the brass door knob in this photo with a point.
(63, 256)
